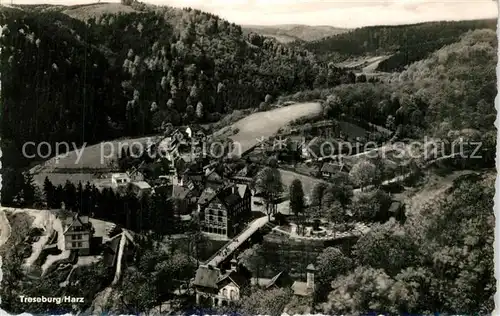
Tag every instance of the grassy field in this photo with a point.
(80, 165)
(266, 124)
(92, 157)
(307, 182)
(84, 12)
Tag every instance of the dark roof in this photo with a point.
(213, 176)
(242, 189)
(273, 280)
(207, 195)
(231, 199)
(207, 277)
(76, 220)
(179, 192)
(235, 277)
(243, 172)
(111, 250)
(330, 167)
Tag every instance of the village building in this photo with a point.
(223, 211)
(141, 188)
(218, 288)
(119, 179)
(183, 200)
(329, 169)
(78, 232)
(305, 288)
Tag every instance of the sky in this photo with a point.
(340, 13)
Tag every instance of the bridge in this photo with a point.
(222, 254)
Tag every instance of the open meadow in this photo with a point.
(266, 124)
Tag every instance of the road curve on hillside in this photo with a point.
(266, 124)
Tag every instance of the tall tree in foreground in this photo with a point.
(269, 184)
(297, 203)
(363, 174)
(331, 263)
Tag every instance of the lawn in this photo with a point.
(94, 157)
(307, 182)
(266, 124)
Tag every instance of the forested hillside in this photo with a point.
(131, 72)
(453, 89)
(407, 43)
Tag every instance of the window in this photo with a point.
(73, 245)
(224, 292)
(233, 294)
(79, 245)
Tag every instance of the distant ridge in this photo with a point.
(287, 33)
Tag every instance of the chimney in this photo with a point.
(310, 276)
(234, 265)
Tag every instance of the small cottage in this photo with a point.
(217, 288)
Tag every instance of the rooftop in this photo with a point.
(301, 289)
(330, 167)
(77, 221)
(242, 188)
(119, 175)
(207, 277)
(179, 192)
(143, 185)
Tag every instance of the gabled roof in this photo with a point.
(243, 172)
(213, 176)
(273, 280)
(331, 167)
(207, 277)
(231, 199)
(207, 196)
(143, 185)
(235, 277)
(77, 220)
(179, 192)
(242, 189)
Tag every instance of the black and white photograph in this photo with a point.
(248, 157)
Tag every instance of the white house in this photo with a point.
(119, 179)
(189, 132)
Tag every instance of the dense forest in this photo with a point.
(406, 43)
(128, 73)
